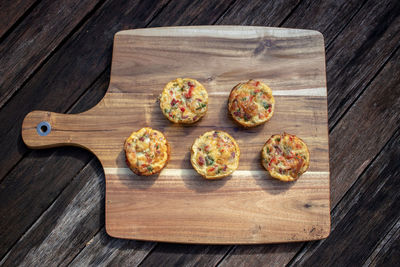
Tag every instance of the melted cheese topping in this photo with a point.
(251, 103)
(215, 154)
(286, 157)
(146, 151)
(184, 100)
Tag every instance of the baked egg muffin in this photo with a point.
(184, 101)
(146, 151)
(285, 157)
(251, 103)
(215, 154)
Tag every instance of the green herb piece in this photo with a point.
(266, 106)
(202, 105)
(149, 168)
(278, 139)
(268, 150)
(166, 110)
(244, 99)
(209, 160)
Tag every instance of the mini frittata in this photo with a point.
(184, 101)
(146, 151)
(251, 103)
(285, 157)
(215, 154)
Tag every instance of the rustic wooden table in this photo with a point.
(56, 55)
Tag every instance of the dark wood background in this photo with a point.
(56, 56)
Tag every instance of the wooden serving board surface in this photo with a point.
(178, 205)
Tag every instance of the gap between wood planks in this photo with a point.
(386, 242)
(391, 55)
(55, 198)
(385, 63)
(345, 112)
(69, 110)
(28, 10)
(101, 74)
(9, 94)
(346, 24)
(81, 38)
(77, 28)
(365, 88)
(379, 151)
(335, 210)
(388, 18)
(79, 99)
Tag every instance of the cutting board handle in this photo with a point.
(43, 129)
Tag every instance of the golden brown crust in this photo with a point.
(251, 103)
(286, 157)
(147, 151)
(215, 155)
(184, 101)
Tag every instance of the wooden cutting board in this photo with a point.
(178, 205)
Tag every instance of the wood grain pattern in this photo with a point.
(19, 44)
(69, 222)
(344, 166)
(292, 62)
(375, 44)
(373, 204)
(54, 171)
(60, 81)
(33, 176)
(11, 12)
(57, 86)
(387, 252)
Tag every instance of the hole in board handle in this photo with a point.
(43, 128)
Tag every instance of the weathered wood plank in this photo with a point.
(11, 11)
(32, 41)
(384, 115)
(362, 48)
(197, 12)
(371, 203)
(387, 252)
(70, 71)
(32, 97)
(41, 176)
(96, 93)
(71, 226)
(391, 258)
(185, 255)
(328, 17)
(376, 116)
(341, 165)
(258, 13)
(64, 228)
(104, 250)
